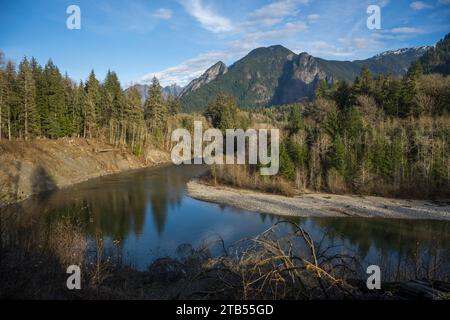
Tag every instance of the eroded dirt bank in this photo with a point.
(32, 167)
(320, 205)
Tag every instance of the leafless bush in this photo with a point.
(244, 177)
(273, 267)
(68, 242)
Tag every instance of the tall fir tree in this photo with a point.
(56, 123)
(364, 82)
(174, 105)
(78, 113)
(223, 112)
(10, 96)
(91, 106)
(70, 89)
(27, 114)
(115, 98)
(136, 113)
(155, 109)
(41, 99)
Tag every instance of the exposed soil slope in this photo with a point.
(32, 167)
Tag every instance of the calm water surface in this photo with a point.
(147, 214)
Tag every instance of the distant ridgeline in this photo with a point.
(275, 75)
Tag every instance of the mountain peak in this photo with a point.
(217, 65)
(417, 51)
(216, 70)
(270, 50)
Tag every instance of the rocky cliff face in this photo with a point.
(300, 79)
(209, 75)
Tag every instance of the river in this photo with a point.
(146, 214)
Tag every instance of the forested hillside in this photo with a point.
(437, 60)
(38, 101)
(380, 135)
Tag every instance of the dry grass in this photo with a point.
(244, 176)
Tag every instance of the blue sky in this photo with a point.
(177, 40)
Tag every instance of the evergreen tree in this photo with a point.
(41, 99)
(408, 90)
(115, 99)
(28, 115)
(344, 96)
(78, 114)
(91, 105)
(70, 89)
(155, 109)
(223, 112)
(287, 167)
(10, 96)
(295, 119)
(55, 124)
(174, 104)
(364, 82)
(322, 90)
(136, 114)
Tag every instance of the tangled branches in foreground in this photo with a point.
(290, 267)
(273, 265)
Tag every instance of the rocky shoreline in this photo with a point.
(320, 204)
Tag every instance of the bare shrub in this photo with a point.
(336, 182)
(288, 267)
(246, 177)
(68, 242)
(368, 107)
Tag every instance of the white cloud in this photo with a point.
(253, 39)
(275, 12)
(186, 71)
(444, 1)
(419, 5)
(405, 30)
(401, 33)
(357, 43)
(313, 17)
(325, 48)
(207, 17)
(163, 13)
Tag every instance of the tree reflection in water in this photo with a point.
(141, 210)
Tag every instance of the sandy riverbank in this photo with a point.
(32, 167)
(319, 204)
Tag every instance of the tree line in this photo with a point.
(39, 102)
